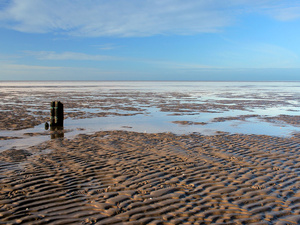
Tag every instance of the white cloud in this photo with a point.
(108, 46)
(21, 67)
(286, 13)
(258, 55)
(50, 55)
(11, 71)
(117, 18)
(272, 56)
(174, 65)
(124, 18)
(14, 71)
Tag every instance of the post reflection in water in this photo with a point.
(56, 120)
(57, 132)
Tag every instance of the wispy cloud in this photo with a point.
(108, 46)
(50, 55)
(22, 67)
(127, 18)
(120, 17)
(15, 71)
(173, 65)
(273, 56)
(286, 13)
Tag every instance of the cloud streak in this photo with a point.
(22, 67)
(287, 14)
(15, 71)
(50, 55)
(132, 18)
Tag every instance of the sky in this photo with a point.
(222, 40)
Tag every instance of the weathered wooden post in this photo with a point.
(56, 120)
(57, 114)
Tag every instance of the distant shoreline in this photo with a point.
(229, 81)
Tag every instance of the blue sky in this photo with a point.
(150, 40)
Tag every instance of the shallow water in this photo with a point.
(227, 99)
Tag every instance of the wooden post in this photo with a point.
(57, 114)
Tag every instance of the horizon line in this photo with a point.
(150, 80)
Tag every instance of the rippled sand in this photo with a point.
(118, 177)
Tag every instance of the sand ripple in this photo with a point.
(134, 178)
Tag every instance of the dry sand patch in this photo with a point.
(135, 178)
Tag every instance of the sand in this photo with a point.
(120, 177)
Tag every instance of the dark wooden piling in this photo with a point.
(57, 114)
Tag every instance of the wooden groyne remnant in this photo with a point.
(56, 114)
(56, 120)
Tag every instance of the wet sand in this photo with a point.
(119, 177)
(28, 106)
(122, 177)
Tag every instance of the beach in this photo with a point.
(210, 157)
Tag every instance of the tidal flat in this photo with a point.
(151, 153)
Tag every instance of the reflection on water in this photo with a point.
(56, 132)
